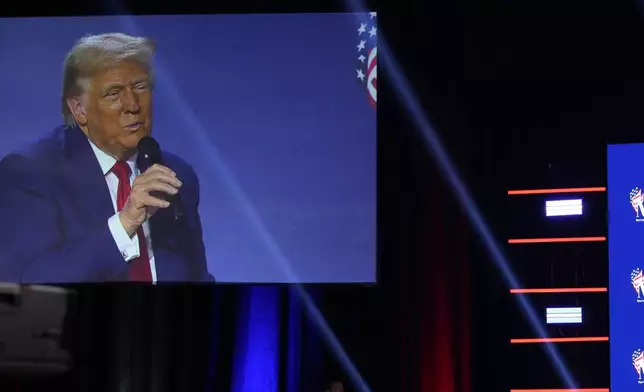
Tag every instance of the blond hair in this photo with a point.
(95, 53)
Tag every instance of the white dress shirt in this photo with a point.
(128, 246)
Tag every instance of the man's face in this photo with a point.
(117, 109)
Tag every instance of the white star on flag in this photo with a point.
(367, 64)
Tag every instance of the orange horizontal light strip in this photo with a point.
(557, 190)
(562, 390)
(561, 340)
(560, 290)
(555, 239)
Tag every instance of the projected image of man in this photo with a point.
(78, 204)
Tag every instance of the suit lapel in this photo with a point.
(86, 181)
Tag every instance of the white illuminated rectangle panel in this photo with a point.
(563, 207)
(563, 315)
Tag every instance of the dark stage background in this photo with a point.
(525, 94)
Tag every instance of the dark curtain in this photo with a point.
(434, 299)
(444, 302)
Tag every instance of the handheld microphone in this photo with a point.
(150, 154)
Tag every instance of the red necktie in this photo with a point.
(139, 267)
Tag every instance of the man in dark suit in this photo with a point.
(74, 204)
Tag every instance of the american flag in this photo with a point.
(367, 68)
(636, 198)
(637, 278)
(638, 360)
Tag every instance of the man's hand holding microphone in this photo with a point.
(146, 196)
